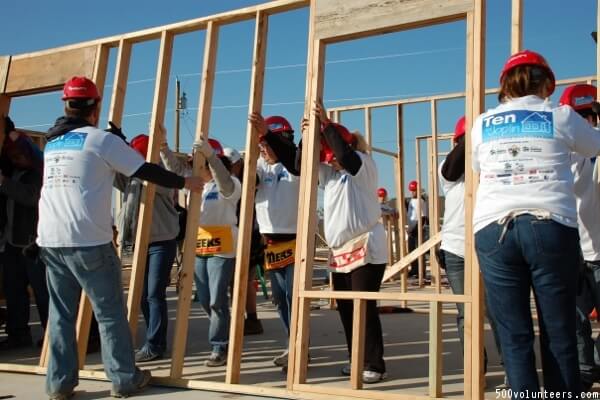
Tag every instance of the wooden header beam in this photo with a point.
(338, 20)
(48, 72)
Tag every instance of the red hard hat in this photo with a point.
(412, 186)
(327, 155)
(579, 97)
(80, 87)
(381, 192)
(277, 124)
(216, 145)
(140, 144)
(527, 57)
(459, 129)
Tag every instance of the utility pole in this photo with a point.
(180, 105)
(177, 110)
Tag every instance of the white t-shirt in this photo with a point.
(79, 170)
(413, 213)
(351, 208)
(522, 150)
(587, 193)
(217, 209)
(453, 230)
(276, 198)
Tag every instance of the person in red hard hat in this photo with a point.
(75, 236)
(525, 222)
(276, 205)
(412, 215)
(451, 173)
(20, 185)
(252, 325)
(348, 176)
(161, 252)
(582, 99)
(216, 239)
(382, 195)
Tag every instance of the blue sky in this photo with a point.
(406, 64)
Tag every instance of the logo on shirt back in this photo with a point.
(518, 124)
(212, 196)
(68, 141)
(282, 175)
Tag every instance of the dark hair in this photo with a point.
(587, 112)
(80, 108)
(9, 125)
(524, 80)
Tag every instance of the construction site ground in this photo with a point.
(406, 337)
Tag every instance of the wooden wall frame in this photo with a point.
(335, 21)
(330, 21)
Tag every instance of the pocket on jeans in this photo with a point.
(92, 258)
(554, 239)
(486, 240)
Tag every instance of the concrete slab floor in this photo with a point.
(31, 387)
(406, 338)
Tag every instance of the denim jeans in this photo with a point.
(212, 276)
(588, 297)
(364, 279)
(96, 270)
(282, 286)
(542, 255)
(154, 298)
(455, 270)
(20, 271)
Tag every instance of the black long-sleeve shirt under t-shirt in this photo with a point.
(285, 150)
(454, 166)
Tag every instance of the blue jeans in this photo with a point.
(213, 275)
(96, 270)
(154, 298)
(282, 286)
(588, 297)
(455, 270)
(543, 255)
(20, 271)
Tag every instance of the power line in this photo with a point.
(279, 104)
(341, 61)
(278, 67)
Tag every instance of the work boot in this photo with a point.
(253, 327)
(144, 381)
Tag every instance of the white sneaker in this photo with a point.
(373, 377)
(281, 360)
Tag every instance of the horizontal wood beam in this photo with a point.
(391, 296)
(444, 96)
(337, 20)
(49, 72)
(337, 392)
